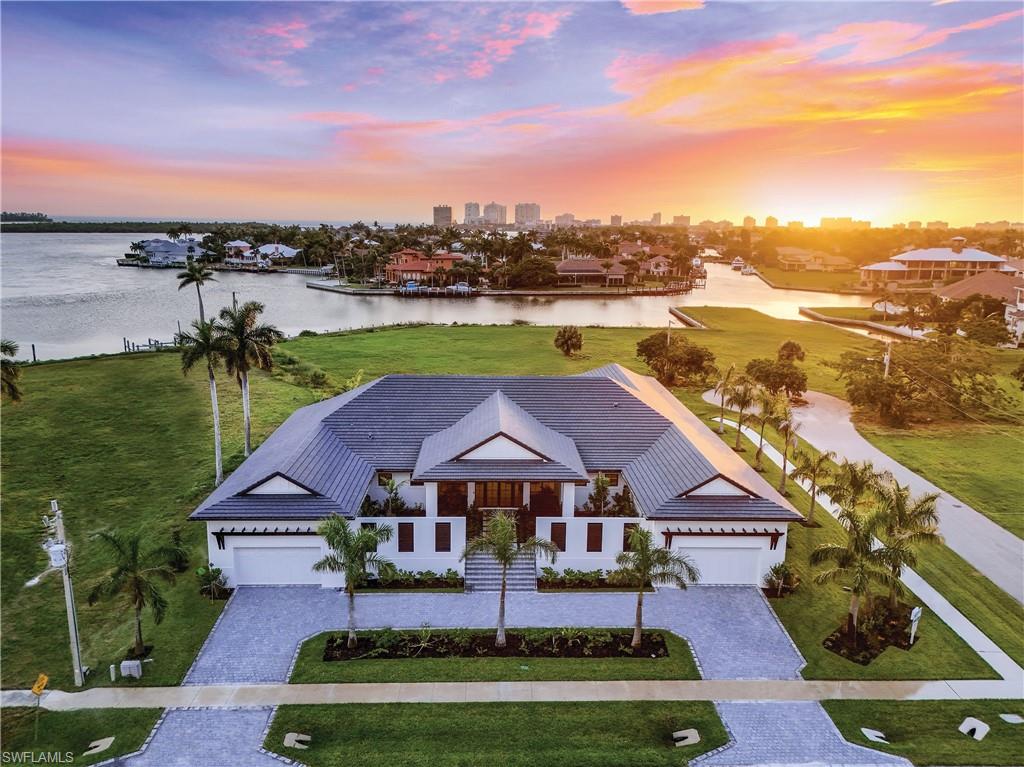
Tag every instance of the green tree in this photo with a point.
(722, 387)
(645, 564)
(788, 427)
(675, 358)
(205, 344)
(790, 351)
(10, 370)
(499, 541)
(134, 575)
(599, 502)
(569, 340)
(532, 272)
(767, 412)
(852, 483)
(778, 376)
(247, 344)
(354, 555)
(742, 395)
(907, 522)
(198, 274)
(815, 468)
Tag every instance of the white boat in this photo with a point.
(737, 264)
(748, 269)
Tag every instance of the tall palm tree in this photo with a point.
(767, 405)
(354, 554)
(722, 390)
(851, 483)
(741, 397)
(134, 575)
(813, 468)
(10, 370)
(645, 564)
(205, 344)
(906, 522)
(248, 344)
(500, 542)
(198, 274)
(788, 428)
(855, 562)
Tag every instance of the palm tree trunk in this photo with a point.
(814, 495)
(785, 457)
(218, 458)
(140, 648)
(245, 413)
(721, 416)
(739, 431)
(638, 627)
(352, 639)
(202, 315)
(760, 448)
(499, 641)
(892, 590)
(854, 609)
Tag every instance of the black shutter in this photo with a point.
(405, 536)
(442, 536)
(558, 535)
(595, 531)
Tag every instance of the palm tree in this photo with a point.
(568, 340)
(788, 428)
(499, 541)
(851, 483)
(741, 397)
(10, 370)
(767, 405)
(135, 574)
(722, 390)
(645, 564)
(353, 553)
(856, 562)
(247, 344)
(813, 468)
(906, 522)
(198, 274)
(206, 344)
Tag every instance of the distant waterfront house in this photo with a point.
(278, 253)
(803, 260)
(1014, 315)
(461, 448)
(411, 264)
(932, 265)
(990, 283)
(237, 247)
(172, 253)
(590, 271)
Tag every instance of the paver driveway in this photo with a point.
(733, 631)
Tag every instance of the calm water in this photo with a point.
(66, 294)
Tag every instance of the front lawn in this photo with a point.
(311, 668)
(824, 281)
(601, 734)
(925, 731)
(71, 732)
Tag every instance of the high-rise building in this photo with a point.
(771, 222)
(495, 213)
(655, 219)
(843, 224)
(565, 219)
(938, 225)
(914, 225)
(681, 221)
(443, 216)
(795, 225)
(527, 213)
(472, 213)
(616, 220)
(749, 222)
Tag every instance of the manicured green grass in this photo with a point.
(813, 612)
(124, 443)
(926, 731)
(71, 732)
(602, 734)
(826, 281)
(311, 668)
(856, 313)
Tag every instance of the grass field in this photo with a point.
(71, 732)
(603, 734)
(926, 731)
(809, 280)
(311, 668)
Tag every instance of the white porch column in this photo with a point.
(568, 499)
(470, 495)
(526, 494)
(430, 504)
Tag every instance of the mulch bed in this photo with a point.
(519, 644)
(419, 583)
(220, 594)
(877, 632)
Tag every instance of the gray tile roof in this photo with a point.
(607, 419)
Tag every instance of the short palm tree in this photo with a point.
(248, 344)
(198, 274)
(568, 340)
(741, 397)
(813, 468)
(851, 483)
(499, 541)
(354, 554)
(204, 344)
(135, 574)
(788, 429)
(10, 371)
(646, 564)
(722, 390)
(906, 522)
(855, 562)
(767, 405)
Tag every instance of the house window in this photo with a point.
(595, 531)
(452, 499)
(612, 477)
(405, 537)
(627, 530)
(558, 535)
(544, 500)
(499, 495)
(370, 526)
(442, 536)
(383, 477)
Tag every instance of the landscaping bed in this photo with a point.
(422, 580)
(579, 580)
(878, 630)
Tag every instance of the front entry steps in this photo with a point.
(484, 574)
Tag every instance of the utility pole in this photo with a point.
(887, 357)
(59, 552)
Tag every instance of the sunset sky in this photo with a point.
(885, 111)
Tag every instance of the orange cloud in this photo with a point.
(646, 7)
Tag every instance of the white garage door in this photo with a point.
(276, 565)
(726, 566)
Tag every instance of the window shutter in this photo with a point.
(442, 536)
(595, 531)
(558, 535)
(405, 536)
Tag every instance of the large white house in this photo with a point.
(462, 447)
(932, 265)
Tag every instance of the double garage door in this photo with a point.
(726, 565)
(276, 565)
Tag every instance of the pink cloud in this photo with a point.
(646, 7)
(517, 30)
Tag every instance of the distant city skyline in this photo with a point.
(881, 112)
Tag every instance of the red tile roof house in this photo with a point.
(462, 447)
(410, 264)
(589, 271)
